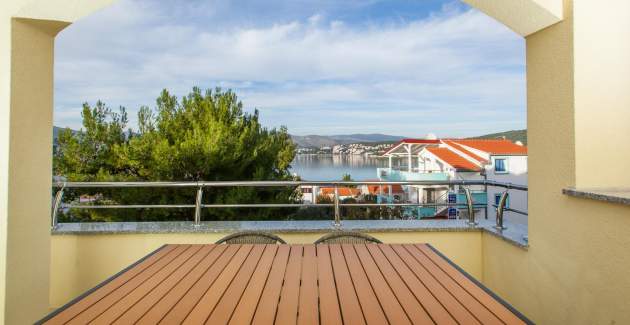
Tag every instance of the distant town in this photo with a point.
(373, 144)
(366, 149)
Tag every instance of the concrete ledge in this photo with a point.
(612, 195)
(514, 234)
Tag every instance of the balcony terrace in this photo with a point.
(99, 249)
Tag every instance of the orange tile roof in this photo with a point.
(375, 189)
(464, 150)
(428, 141)
(343, 191)
(412, 141)
(452, 158)
(500, 146)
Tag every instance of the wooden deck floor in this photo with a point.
(289, 284)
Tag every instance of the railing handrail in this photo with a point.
(282, 184)
(200, 185)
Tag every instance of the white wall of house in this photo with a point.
(308, 193)
(516, 174)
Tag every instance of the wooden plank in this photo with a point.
(200, 313)
(429, 274)
(288, 305)
(183, 307)
(157, 311)
(266, 310)
(133, 311)
(484, 298)
(246, 277)
(348, 300)
(282, 284)
(407, 299)
(173, 271)
(308, 312)
(125, 302)
(394, 309)
(372, 310)
(96, 309)
(246, 307)
(418, 279)
(72, 310)
(329, 310)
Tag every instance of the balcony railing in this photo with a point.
(470, 201)
(392, 174)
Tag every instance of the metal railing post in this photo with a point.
(500, 210)
(469, 206)
(55, 207)
(337, 222)
(198, 203)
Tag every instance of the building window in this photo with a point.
(497, 198)
(500, 166)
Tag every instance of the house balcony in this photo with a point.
(393, 175)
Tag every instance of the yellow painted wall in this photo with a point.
(80, 262)
(28, 152)
(579, 276)
(576, 269)
(602, 92)
(523, 17)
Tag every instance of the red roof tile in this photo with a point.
(452, 158)
(375, 189)
(497, 147)
(343, 191)
(428, 141)
(412, 141)
(464, 150)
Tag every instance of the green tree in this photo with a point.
(203, 136)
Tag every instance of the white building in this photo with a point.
(459, 159)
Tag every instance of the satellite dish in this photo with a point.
(431, 136)
(518, 143)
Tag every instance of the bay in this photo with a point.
(333, 167)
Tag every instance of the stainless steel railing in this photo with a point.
(198, 206)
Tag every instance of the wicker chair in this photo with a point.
(347, 237)
(251, 237)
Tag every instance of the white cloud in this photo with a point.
(460, 63)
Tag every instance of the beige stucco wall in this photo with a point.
(523, 17)
(580, 276)
(575, 271)
(27, 155)
(79, 262)
(602, 96)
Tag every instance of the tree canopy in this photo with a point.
(202, 136)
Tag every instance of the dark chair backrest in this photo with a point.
(347, 237)
(251, 237)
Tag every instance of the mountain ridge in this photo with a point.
(318, 141)
(512, 135)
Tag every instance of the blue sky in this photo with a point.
(401, 67)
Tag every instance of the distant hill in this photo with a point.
(318, 141)
(56, 131)
(514, 135)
